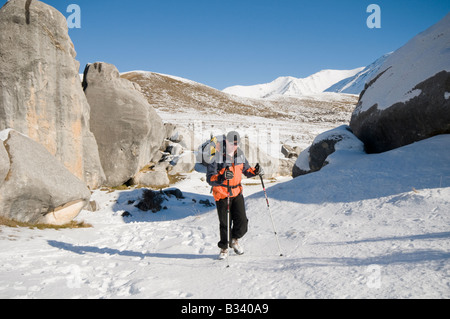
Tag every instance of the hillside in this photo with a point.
(173, 94)
(183, 101)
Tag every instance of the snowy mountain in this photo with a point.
(355, 84)
(293, 87)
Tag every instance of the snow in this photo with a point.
(293, 87)
(422, 57)
(347, 142)
(365, 226)
(355, 84)
(303, 160)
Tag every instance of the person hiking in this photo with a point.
(224, 174)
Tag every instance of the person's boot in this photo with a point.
(238, 249)
(223, 254)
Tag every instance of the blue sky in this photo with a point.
(228, 42)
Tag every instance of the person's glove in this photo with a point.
(259, 170)
(228, 175)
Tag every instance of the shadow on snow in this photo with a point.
(173, 208)
(413, 257)
(431, 236)
(83, 250)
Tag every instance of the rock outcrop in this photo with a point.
(316, 156)
(34, 186)
(408, 100)
(128, 130)
(40, 91)
(183, 136)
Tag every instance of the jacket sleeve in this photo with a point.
(247, 170)
(213, 175)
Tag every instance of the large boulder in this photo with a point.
(183, 163)
(316, 156)
(34, 186)
(40, 91)
(155, 178)
(409, 98)
(128, 130)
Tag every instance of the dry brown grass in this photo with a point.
(172, 95)
(14, 224)
(168, 94)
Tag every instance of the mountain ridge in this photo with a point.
(356, 83)
(293, 87)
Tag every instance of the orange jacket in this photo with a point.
(216, 170)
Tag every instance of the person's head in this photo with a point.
(232, 141)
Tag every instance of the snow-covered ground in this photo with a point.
(365, 226)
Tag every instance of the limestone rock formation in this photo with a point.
(128, 130)
(34, 186)
(40, 91)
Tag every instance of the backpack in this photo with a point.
(212, 148)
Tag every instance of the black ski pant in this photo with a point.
(238, 219)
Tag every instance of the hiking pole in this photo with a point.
(228, 219)
(270, 212)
